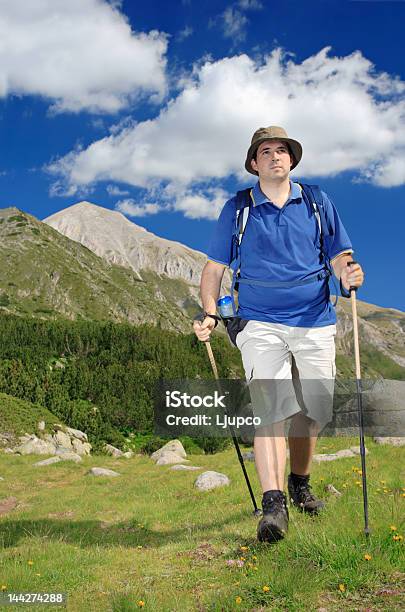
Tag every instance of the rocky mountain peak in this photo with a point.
(110, 235)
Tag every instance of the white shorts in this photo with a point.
(289, 370)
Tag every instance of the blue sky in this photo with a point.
(149, 107)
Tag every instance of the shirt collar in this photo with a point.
(259, 197)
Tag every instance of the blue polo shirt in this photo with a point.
(281, 245)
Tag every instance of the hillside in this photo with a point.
(45, 274)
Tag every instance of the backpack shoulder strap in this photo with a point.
(314, 198)
(243, 202)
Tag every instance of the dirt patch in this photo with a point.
(8, 504)
(203, 552)
(60, 515)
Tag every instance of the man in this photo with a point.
(290, 326)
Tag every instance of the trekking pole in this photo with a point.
(256, 511)
(359, 405)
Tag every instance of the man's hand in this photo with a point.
(352, 276)
(203, 329)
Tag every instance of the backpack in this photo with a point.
(313, 198)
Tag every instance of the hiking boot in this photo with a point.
(274, 523)
(302, 498)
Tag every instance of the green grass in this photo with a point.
(149, 535)
(18, 416)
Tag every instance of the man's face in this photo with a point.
(273, 160)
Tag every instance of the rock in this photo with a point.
(331, 489)
(128, 454)
(66, 454)
(185, 467)
(41, 426)
(58, 427)
(9, 451)
(76, 433)
(391, 441)
(49, 461)
(211, 480)
(113, 451)
(81, 448)
(169, 458)
(26, 437)
(328, 457)
(62, 439)
(35, 446)
(341, 454)
(356, 450)
(7, 439)
(174, 446)
(97, 471)
(69, 456)
(248, 456)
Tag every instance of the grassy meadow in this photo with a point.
(149, 540)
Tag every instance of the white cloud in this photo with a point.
(132, 209)
(348, 117)
(250, 5)
(186, 32)
(196, 203)
(233, 20)
(233, 24)
(79, 54)
(113, 190)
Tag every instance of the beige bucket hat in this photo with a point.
(273, 132)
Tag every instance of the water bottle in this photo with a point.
(225, 306)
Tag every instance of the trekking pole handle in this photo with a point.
(350, 263)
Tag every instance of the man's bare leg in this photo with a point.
(302, 438)
(270, 456)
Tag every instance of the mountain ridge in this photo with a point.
(45, 274)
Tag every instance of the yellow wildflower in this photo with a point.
(30, 562)
(367, 557)
(141, 603)
(266, 589)
(393, 528)
(4, 587)
(342, 588)
(238, 599)
(254, 557)
(244, 548)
